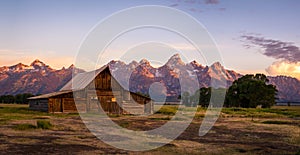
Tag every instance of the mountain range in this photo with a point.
(36, 78)
(39, 78)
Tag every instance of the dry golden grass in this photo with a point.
(237, 131)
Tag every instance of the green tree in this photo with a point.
(204, 96)
(185, 97)
(19, 98)
(7, 99)
(22, 98)
(250, 91)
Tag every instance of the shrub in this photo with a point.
(44, 124)
(25, 126)
(167, 110)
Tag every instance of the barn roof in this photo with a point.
(45, 96)
(81, 80)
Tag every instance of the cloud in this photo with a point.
(212, 2)
(195, 5)
(285, 68)
(173, 5)
(285, 51)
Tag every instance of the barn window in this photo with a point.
(36, 103)
(113, 99)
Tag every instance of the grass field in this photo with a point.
(237, 131)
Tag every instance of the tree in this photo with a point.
(185, 97)
(23, 98)
(19, 98)
(204, 96)
(250, 91)
(7, 99)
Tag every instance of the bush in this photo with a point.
(167, 110)
(25, 126)
(44, 124)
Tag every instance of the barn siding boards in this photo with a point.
(91, 91)
(39, 105)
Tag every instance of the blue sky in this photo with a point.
(53, 30)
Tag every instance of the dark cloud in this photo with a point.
(277, 49)
(173, 5)
(211, 1)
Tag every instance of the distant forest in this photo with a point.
(18, 99)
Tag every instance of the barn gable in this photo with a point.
(89, 89)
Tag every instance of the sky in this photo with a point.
(252, 36)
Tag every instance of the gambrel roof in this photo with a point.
(82, 80)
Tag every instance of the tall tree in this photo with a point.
(204, 96)
(250, 91)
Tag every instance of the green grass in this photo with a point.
(274, 112)
(114, 115)
(22, 112)
(42, 124)
(3, 121)
(167, 110)
(264, 112)
(124, 124)
(25, 126)
(290, 112)
(18, 112)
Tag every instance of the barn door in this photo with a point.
(57, 105)
(109, 104)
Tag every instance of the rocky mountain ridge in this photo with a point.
(138, 77)
(174, 76)
(36, 78)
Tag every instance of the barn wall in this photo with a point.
(62, 103)
(106, 92)
(39, 105)
(81, 104)
(69, 105)
(105, 99)
(98, 93)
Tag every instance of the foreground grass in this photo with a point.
(40, 124)
(280, 111)
(10, 112)
(273, 131)
(274, 112)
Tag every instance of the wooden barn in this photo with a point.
(91, 91)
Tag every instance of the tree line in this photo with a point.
(19, 98)
(248, 91)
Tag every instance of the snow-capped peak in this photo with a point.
(144, 61)
(37, 62)
(175, 60)
(71, 66)
(217, 66)
(194, 63)
(19, 67)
